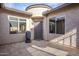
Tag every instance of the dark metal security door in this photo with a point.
(38, 31)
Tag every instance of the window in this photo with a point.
(57, 25)
(13, 25)
(52, 26)
(22, 25)
(60, 25)
(17, 25)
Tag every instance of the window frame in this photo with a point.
(22, 22)
(50, 23)
(18, 20)
(56, 24)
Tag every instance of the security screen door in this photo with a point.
(38, 30)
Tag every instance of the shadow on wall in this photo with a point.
(69, 39)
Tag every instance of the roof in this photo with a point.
(38, 5)
(15, 10)
(57, 8)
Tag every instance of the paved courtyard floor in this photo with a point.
(37, 48)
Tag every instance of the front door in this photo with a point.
(38, 30)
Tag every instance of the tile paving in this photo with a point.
(36, 48)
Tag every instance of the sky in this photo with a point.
(23, 6)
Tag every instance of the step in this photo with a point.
(51, 50)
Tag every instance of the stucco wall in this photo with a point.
(30, 27)
(37, 11)
(71, 36)
(5, 36)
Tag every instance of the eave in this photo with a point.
(15, 10)
(57, 8)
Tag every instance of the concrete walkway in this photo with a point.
(37, 48)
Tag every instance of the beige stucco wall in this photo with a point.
(71, 36)
(30, 27)
(5, 36)
(37, 11)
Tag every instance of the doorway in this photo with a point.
(38, 30)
